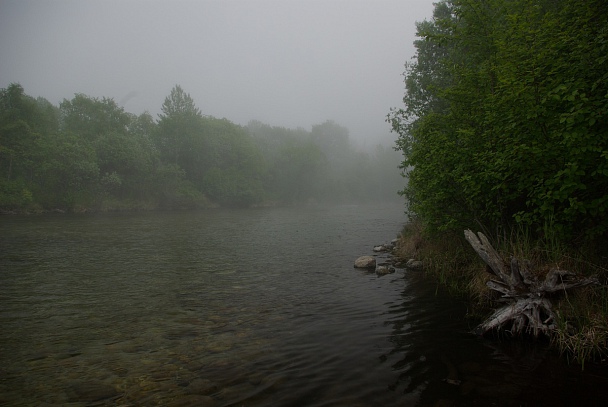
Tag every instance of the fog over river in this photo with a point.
(251, 307)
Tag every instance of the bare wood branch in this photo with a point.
(524, 316)
(560, 280)
(528, 310)
(526, 273)
(516, 278)
(501, 316)
(566, 286)
(501, 288)
(484, 249)
(519, 324)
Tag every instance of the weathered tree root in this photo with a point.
(528, 310)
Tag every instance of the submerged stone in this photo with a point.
(383, 269)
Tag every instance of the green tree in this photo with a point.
(332, 139)
(67, 174)
(219, 158)
(179, 136)
(504, 117)
(553, 89)
(299, 171)
(234, 169)
(90, 117)
(18, 134)
(296, 168)
(24, 122)
(124, 152)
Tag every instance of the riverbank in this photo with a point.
(126, 205)
(581, 333)
(111, 204)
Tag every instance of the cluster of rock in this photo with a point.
(388, 264)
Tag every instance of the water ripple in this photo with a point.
(228, 308)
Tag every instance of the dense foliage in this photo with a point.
(89, 154)
(506, 117)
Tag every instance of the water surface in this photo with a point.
(256, 307)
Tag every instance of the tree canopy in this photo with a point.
(89, 154)
(505, 117)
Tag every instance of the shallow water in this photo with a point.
(257, 307)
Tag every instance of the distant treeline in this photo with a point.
(505, 124)
(89, 154)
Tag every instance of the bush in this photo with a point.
(14, 195)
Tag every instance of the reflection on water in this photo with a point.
(439, 359)
(249, 307)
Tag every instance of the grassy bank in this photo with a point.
(581, 332)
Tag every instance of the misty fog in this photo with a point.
(192, 104)
(286, 63)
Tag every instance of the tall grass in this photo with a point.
(448, 259)
(581, 332)
(582, 328)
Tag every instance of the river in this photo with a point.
(247, 307)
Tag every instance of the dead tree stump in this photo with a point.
(527, 308)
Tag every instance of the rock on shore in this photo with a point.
(365, 262)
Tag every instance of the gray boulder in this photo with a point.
(365, 262)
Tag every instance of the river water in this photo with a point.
(251, 307)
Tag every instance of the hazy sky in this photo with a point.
(291, 63)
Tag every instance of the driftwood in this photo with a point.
(528, 309)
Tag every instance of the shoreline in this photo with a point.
(581, 331)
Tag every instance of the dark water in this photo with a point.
(256, 307)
